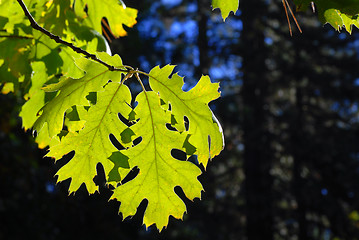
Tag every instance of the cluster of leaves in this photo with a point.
(337, 13)
(79, 105)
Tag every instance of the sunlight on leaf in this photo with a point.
(93, 144)
(74, 91)
(226, 6)
(114, 12)
(159, 172)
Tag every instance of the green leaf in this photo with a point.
(79, 106)
(36, 94)
(115, 13)
(205, 132)
(75, 119)
(74, 91)
(12, 11)
(349, 21)
(68, 25)
(43, 140)
(159, 172)
(337, 13)
(57, 17)
(333, 17)
(14, 62)
(226, 6)
(92, 144)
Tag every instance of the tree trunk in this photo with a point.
(202, 41)
(256, 137)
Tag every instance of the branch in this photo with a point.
(15, 36)
(57, 39)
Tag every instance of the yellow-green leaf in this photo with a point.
(226, 6)
(115, 13)
(159, 172)
(204, 130)
(74, 91)
(36, 95)
(338, 13)
(92, 144)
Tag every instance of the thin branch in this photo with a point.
(57, 39)
(286, 13)
(15, 36)
(294, 18)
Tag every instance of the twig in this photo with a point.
(285, 5)
(57, 39)
(286, 13)
(15, 36)
(294, 18)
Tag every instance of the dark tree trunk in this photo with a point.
(202, 41)
(297, 152)
(299, 145)
(256, 137)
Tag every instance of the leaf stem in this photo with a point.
(57, 39)
(137, 75)
(143, 73)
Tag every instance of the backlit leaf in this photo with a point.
(205, 132)
(14, 61)
(159, 172)
(36, 95)
(115, 13)
(226, 6)
(81, 109)
(93, 143)
(337, 13)
(74, 91)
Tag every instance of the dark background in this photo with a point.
(289, 110)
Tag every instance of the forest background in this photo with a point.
(289, 110)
